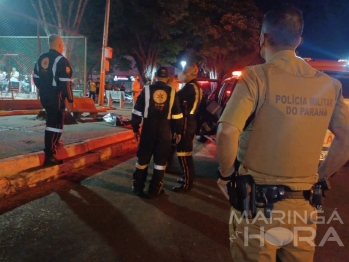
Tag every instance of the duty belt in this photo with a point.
(274, 193)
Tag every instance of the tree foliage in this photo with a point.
(65, 14)
(212, 33)
(228, 31)
(147, 30)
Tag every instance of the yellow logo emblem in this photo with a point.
(67, 70)
(160, 96)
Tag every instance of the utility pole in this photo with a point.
(103, 59)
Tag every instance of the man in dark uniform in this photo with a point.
(52, 76)
(190, 97)
(158, 105)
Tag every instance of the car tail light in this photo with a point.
(236, 73)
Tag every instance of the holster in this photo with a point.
(242, 194)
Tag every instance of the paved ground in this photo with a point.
(99, 219)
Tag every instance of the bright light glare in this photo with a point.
(183, 63)
(236, 73)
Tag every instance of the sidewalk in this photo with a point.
(22, 142)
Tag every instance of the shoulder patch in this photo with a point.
(45, 62)
(67, 70)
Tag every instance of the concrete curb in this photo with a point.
(20, 112)
(25, 171)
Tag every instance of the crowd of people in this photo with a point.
(14, 80)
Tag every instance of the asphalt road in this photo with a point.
(91, 215)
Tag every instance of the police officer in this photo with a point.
(190, 97)
(52, 76)
(136, 89)
(157, 105)
(280, 147)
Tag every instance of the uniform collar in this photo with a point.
(289, 62)
(54, 51)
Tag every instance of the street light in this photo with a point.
(183, 63)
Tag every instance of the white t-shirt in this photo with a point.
(14, 76)
(2, 76)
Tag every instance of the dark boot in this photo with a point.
(180, 181)
(139, 178)
(187, 165)
(155, 190)
(181, 188)
(52, 161)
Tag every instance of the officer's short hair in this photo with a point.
(283, 26)
(53, 38)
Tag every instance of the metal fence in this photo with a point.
(23, 38)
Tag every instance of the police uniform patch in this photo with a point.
(45, 62)
(160, 96)
(67, 70)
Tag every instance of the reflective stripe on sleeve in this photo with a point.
(147, 97)
(198, 96)
(173, 93)
(184, 153)
(136, 112)
(65, 79)
(141, 166)
(56, 130)
(179, 116)
(54, 69)
(159, 167)
(36, 76)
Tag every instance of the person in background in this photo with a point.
(136, 89)
(92, 90)
(122, 87)
(14, 78)
(53, 77)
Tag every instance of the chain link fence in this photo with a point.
(23, 38)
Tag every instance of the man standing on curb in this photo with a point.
(157, 105)
(291, 106)
(52, 76)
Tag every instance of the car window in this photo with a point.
(226, 91)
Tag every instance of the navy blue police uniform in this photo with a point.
(52, 76)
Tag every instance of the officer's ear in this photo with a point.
(299, 42)
(261, 39)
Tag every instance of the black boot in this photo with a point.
(187, 165)
(182, 188)
(139, 178)
(155, 190)
(52, 161)
(155, 187)
(180, 181)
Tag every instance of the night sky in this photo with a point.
(326, 30)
